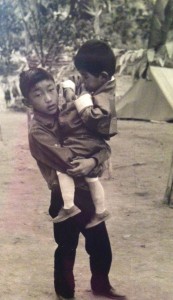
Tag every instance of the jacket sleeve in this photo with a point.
(102, 155)
(45, 148)
(98, 113)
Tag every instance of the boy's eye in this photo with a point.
(37, 95)
(51, 90)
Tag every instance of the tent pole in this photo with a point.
(168, 197)
(1, 139)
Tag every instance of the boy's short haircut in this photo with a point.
(95, 56)
(31, 77)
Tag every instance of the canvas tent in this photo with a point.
(149, 99)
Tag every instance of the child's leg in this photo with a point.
(98, 196)
(97, 193)
(67, 187)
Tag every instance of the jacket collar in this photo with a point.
(47, 120)
(106, 87)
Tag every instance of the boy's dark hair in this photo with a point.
(31, 77)
(95, 56)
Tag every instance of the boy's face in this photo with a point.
(91, 82)
(43, 97)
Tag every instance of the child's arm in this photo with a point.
(98, 112)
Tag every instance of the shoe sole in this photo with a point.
(58, 220)
(97, 223)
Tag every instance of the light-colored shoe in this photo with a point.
(65, 214)
(98, 218)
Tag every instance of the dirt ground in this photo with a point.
(140, 229)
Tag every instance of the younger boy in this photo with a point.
(95, 61)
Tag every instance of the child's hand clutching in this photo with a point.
(69, 90)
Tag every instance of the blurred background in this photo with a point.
(47, 33)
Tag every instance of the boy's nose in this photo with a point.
(48, 98)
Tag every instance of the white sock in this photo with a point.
(67, 189)
(97, 194)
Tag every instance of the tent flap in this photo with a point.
(149, 99)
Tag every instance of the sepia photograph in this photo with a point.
(86, 149)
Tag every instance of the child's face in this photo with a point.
(44, 98)
(91, 82)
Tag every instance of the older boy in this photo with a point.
(77, 141)
(41, 91)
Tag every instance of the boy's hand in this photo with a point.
(69, 90)
(82, 167)
(69, 95)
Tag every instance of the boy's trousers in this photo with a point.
(66, 235)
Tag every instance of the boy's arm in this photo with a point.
(44, 149)
(98, 113)
(83, 167)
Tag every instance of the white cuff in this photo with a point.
(83, 102)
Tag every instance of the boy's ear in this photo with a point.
(104, 75)
(26, 102)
